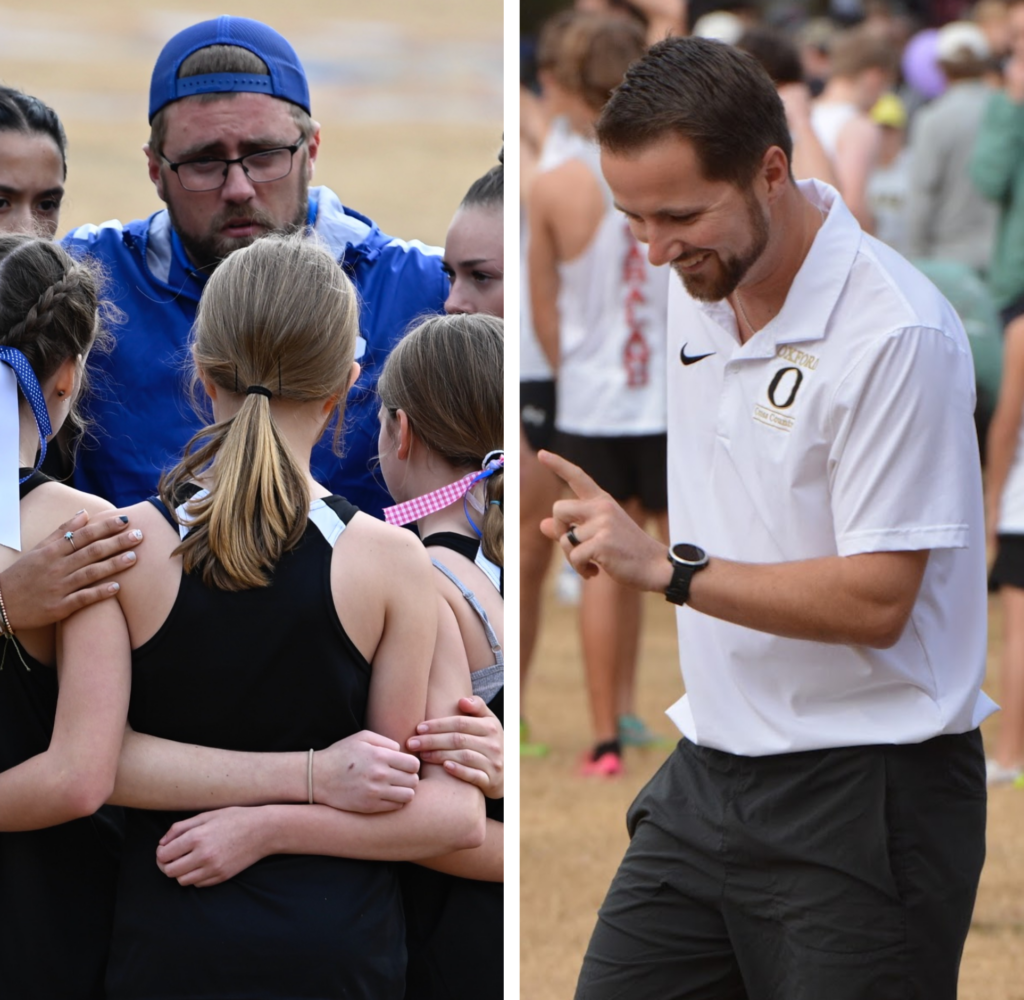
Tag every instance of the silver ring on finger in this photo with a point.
(69, 536)
(571, 535)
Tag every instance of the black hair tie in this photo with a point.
(258, 390)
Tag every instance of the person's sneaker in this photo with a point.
(608, 765)
(998, 774)
(604, 761)
(526, 747)
(633, 732)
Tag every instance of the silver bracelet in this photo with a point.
(5, 624)
(309, 776)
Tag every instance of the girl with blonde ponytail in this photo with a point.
(441, 453)
(269, 621)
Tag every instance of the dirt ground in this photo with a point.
(573, 830)
(408, 94)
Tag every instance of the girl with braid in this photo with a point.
(441, 453)
(63, 689)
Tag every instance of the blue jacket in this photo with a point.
(138, 402)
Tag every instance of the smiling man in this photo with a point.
(231, 153)
(819, 830)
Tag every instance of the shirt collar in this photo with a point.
(815, 290)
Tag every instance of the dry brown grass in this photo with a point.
(573, 831)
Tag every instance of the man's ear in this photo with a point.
(313, 144)
(155, 175)
(775, 171)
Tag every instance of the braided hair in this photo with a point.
(49, 304)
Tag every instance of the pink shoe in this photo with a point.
(608, 765)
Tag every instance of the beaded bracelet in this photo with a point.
(5, 623)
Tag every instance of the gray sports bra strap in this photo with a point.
(492, 638)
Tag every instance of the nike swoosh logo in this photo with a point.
(690, 359)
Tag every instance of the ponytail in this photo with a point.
(239, 531)
(492, 538)
(280, 313)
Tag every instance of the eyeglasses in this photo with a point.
(261, 167)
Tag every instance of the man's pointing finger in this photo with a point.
(572, 475)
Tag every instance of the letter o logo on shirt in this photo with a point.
(778, 388)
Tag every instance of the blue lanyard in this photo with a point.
(33, 393)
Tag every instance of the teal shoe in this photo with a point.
(633, 732)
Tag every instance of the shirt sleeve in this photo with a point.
(904, 469)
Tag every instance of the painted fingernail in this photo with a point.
(137, 533)
(128, 557)
(414, 744)
(77, 512)
(113, 588)
(123, 518)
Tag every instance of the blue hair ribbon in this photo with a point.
(29, 385)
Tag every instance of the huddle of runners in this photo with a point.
(263, 692)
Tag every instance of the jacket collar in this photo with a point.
(350, 236)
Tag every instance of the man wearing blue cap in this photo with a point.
(231, 152)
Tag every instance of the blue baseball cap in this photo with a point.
(287, 78)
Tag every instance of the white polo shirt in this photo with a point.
(844, 426)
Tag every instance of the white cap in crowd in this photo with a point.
(961, 41)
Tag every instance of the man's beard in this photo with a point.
(715, 286)
(208, 250)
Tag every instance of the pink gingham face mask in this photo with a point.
(429, 503)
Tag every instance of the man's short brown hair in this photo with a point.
(708, 93)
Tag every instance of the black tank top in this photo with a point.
(56, 885)
(268, 669)
(455, 925)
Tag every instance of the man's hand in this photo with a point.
(212, 847)
(606, 537)
(54, 580)
(365, 773)
(471, 746)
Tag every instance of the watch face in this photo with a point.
(687, 553)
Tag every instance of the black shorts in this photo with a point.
(629, 467)
(1008, 568)
(537, 413)
(841, 874)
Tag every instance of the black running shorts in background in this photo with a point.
(537, 412)
(630, 467)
